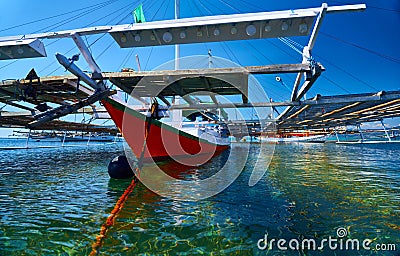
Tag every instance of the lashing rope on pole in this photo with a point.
(121, 201)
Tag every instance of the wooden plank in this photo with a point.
(15, 114)
(234, 105)
(266, 69)
(336, 111)
(18, 105)
(57, 125)
(299, 112)
(374, 107)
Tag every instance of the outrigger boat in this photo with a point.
(147, 135)
(202, 140)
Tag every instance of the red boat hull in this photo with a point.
(163, 141)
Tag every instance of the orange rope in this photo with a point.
(121, 201)
(111, 218)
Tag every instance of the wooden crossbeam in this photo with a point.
(336, 111)
(374, 107)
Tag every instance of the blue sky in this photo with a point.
(359, 50)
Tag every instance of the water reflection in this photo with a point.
(195, 183)
(54, 202)
(354, 188)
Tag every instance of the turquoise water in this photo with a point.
(53, 201)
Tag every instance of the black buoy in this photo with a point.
(119, 168)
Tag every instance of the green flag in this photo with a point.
(138, 14)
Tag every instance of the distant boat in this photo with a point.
(36, 136)
(86, 138)
(294, 137)
(394, 135)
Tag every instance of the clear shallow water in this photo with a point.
(54, 201)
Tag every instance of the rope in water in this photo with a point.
(121, 201)
(111, 218)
